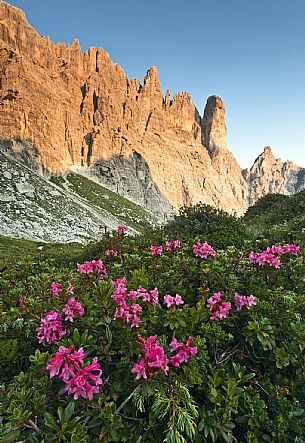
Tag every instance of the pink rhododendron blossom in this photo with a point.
(132, 294)
(271, 256)
(243, 300)
(154, 296)
(80, 381)
(203, 250)
(184, 351)
(139, 369)
(156, 250)
(51, 328)
(178, 300)
(111, 253)
(168, 300)
(92, 267)
(72, 308)
(219, 307)
(65, 358)
(122, 230)
(56, 288)
(86, 382)
(70, 289)
(154, 354)
(155, 357)
(171, 301)
(136, 308)
(173, 245)
(168, 245)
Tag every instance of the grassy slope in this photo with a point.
(34, 208)
(102, 199)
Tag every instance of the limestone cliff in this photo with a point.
(270, 175)
(80, 110)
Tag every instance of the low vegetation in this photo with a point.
(190, 333)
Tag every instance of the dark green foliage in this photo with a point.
(245, 385)
(208, 223)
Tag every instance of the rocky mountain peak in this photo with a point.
(214, 127)
(81, 111)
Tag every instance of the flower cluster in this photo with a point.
(155, 357)
(170, 246)
(156, 250)
(57, 288)
(172, 301)
(203, 250)
(73, 307)
(184, 351)
(80, 381)
(220, 308)
(244, 300)
(111, 252)
(92, 267)
(271, 256)
(173, 245)
(128, 313)
(122, 229)
(51, 328)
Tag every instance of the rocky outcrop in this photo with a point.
(81, 111)
(270, 175)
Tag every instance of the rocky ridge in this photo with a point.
(81, 111)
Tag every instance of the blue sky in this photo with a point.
(249, 52)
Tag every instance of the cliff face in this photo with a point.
(270, 175)
(81, 111)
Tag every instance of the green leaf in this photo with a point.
(69, 411)
(50, 421)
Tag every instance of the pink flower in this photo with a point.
(243, 300)
(156, 250)
(67, 360)
(270, 257)
(170, 301)
(154, 294)
(203, 250)
(168, 245)
(56, 288)
(73, 307)
(135, 321)
(95, 266)
(176, 244)
(154, 354)
(70, 289)
(136, 308)
(184, 351)
(132, 294)
(173, 245)
(180, 357)
(139, 369)
(219, 307)
(122, 230)
(179, 300)
(111, 253)
(83, 382)
(86, 382)
(51, 328)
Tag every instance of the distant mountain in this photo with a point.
(61, 109)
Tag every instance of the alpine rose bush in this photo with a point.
(93, 355)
